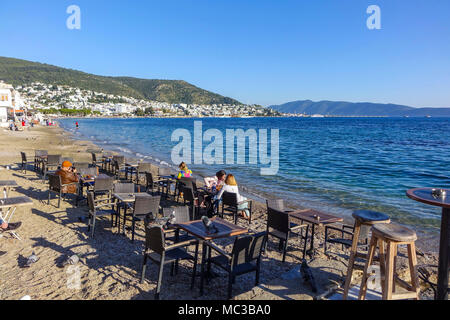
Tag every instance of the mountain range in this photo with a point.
(21, 72)
(361, 109)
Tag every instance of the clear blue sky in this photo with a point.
(265, 52)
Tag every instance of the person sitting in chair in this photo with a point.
(68, 175)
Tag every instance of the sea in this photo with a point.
(336, 165)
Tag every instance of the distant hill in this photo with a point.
(340, 108)
(20, 72)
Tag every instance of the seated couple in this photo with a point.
(227, 183)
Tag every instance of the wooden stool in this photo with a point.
(362, 218)
(393, 235)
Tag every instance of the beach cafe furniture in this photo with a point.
(161, 254)
(196, 228)
(184, 182)
(55, 186)
(363, 219)
(230, 205)
(152, 184)
(279, 225)
(9, 206)
(181, 215)
(103, 186)
(125, 188)
(25, 162)
(316, 219)
(245, 257)
(143, 205)
(6, 186)
(100, 208)
(435, 197)
(95, 162)
(39, 157)
(51, 165)
(138, 170)
(392, 236)
(87, 178)
(169, 178)
(192, 201)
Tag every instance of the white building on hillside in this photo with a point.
(5, 101)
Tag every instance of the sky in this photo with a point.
(264, 52)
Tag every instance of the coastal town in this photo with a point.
(44, 100)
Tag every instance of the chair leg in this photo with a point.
(305, 241)
(59, 200)
(389, 276)
(160, 274)
(144, 267)
(413, 268)
(351, 261)
(194, 271)
(285, 247)
(230, 286)
(257, 272)
(133, 230)
(49, 194)
(370, 254)
(93, 226)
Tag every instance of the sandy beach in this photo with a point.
(110, 263)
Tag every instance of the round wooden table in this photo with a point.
(424, 195)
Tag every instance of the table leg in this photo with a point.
(442, 291)
(202, 272)
(310, 252)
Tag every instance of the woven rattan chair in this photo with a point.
(244, 258)
(158, 252)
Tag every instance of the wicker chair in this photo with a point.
(279, 225)
(51, 165)
(25, 162)
(38, 162)
(55, 186)
(143, 206)
(230, 206)
(106, 209)
(181, 216)
(158, 252)
(244, 258)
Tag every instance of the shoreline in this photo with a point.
(428, 239)
(111, 263)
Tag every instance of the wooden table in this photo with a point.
(424, 195)
(6, 186)
(315, 218)
(9, 206)
(197, 229)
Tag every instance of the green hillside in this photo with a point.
(20, 72)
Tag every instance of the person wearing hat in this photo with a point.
(68, 175)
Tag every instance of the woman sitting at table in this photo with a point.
(68, 175)
(217, 180)
(184, 171)
(232, 187)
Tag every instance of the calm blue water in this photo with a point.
(335, 164)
